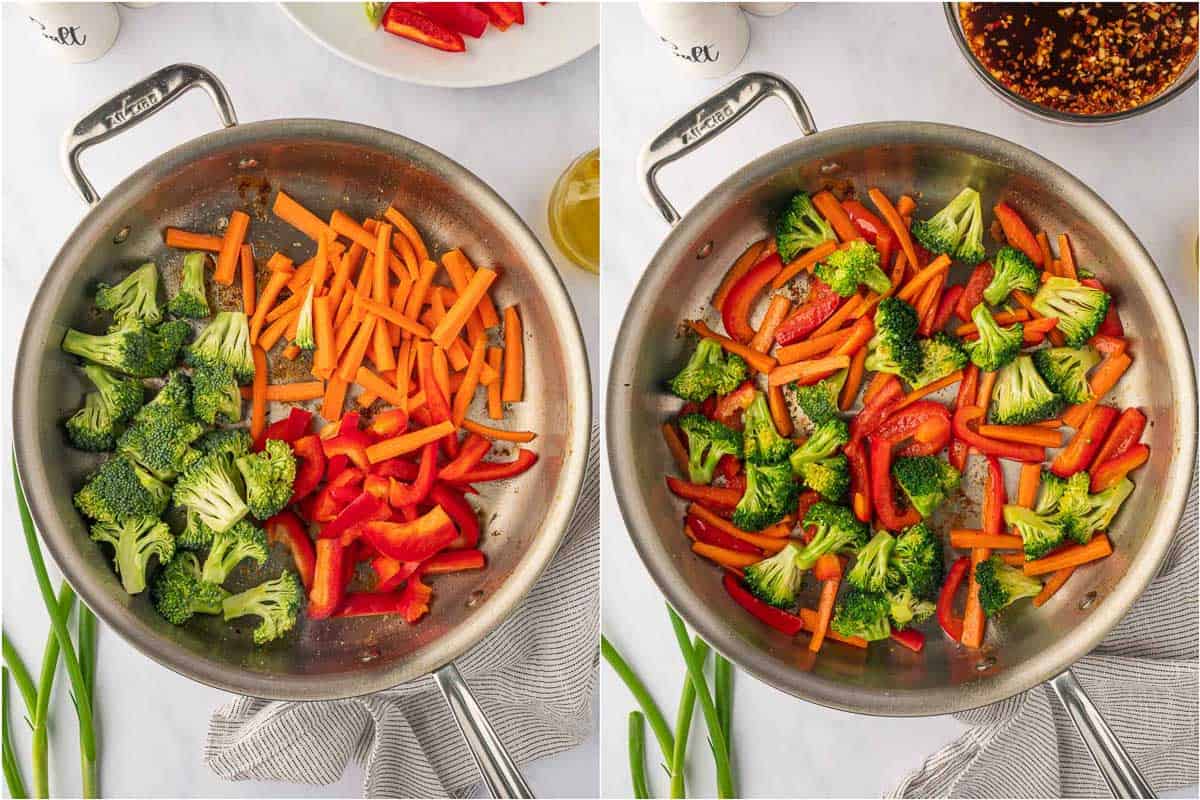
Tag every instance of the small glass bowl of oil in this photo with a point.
(574, 211)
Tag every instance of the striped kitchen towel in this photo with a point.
(1143, 678)
(534, 676)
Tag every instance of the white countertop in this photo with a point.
(517, 138)
(853, 63)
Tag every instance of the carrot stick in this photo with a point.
(771, 544)
(983, 395)
(249, 293)
(835, 320)
(347, 264)
(1099, 547)
(495, 357)
(513, 388)
(498, 434)
(456, 316)
(764, 337)
(441, 372)
(295, 392)
(793, 268)
(1013, 559)
(878, 381)
(1026, 434)
(825, 606)
(408, 255)
(258, 397)
(926, 306)
(749, 257)
(779, 411)
(459, 270)
(854, 379)
(811, 617)
(270, 294)
(974, 620)
(409, 231)
(813, 346)
(357, 349)
(1065, 259)
(935, 268)
(324, 357)
(1052, 585)
(725, 557)
(487, 309)
(905, 206)
(187, 240)
(231, 244)
(1044, 245)
(968, 539)
(416, 298)
(1001, 318)
(806, 372)
(287, 306)
(676, 447)
(291, 352)
(395, 317)
(1027, 484)
(899, 229)
(466, 392)
(376, 385)
(759, 362)
(335, 398)
(276, 329)
(382, 353)
(298, 216)
(833, 212)
(408, 442)
(930, 388)
(1102, 380)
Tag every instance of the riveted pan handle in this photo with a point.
(710, 118)
(135, 104)
(1119, 772)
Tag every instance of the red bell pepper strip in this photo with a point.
(911, 638)
(350, 442)
(952, 625)
(860, 482)
(288, 429)
(873, 229)
(778, 619)
(389, 423)
(462, 18)
(1015, 451)
(328, 572)
(713, 497)
(966, 397)
(495, 471)
(453, 561)
(401, 494)
(419, 28)
(364, 508)
(460, 511)
(390, 573)
(345, 494)
(412, 541)
(503, 15)
(1080, 451)
(376, 485)
(728, 467)
(821, 303)
(947, 307)
(710, 534)
(331, 429)
(994, 498)
(287, 529)
(311, 467)
(472, 452)
(414, 599)
(1112, 471)
(325, 504)
(735, 313)
(1017, 232)
(411, 602)
(877, 409)
(972, 294)
(925, 425)
(1125, 433)
(334, 466)
(729, 405)
(399, 467)
(1111, 324)
(882, 495)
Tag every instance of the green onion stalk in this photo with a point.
(716, 735)
(637, 755)
(683, 725)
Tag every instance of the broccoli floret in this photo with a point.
(762, 442)
(1051, 492)
(1073, 505)
(870, 571)
(124, 396)
(1102, 507)
(135, 541)
(215, 393)
(862, 614)
(1079, 309)
(1011, 270)
(1065, 370)
(119, 490)
(212, 488)
(93, 427)
(305, 337)
(269, 476)
(917, 557)
(925, 480)
(822, 444)
(905, 608)
(195, 535)
(776, 580)
(135, 297)
(179, 591)
(996, 346)
(846, 268)
(130, 347)
(224, 341)
(819, 401)
(770, 495)
(162, 431)
(1000, 585)
(1040, 533)
(276, 602)
(231, 548)
(190, 300)
(895, 319)
(828, 477)
(709, 371)
(894, 346)
(837, 530)
(800, 227)
(940, 355)
(234, 441)
(708, 440)
(956, 230)
(1021, 396)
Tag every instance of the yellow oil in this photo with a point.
(575, 211)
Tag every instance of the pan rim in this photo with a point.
(500, 604)
(823, 691)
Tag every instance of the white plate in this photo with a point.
(553, 35)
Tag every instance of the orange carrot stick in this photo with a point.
(905, 206)
(854, 379)
(335, 398)
(807, 371)
(974, 620)
(456, 317)
(409, 231)
(1044, 245)
(968, 539)
(935, 268)
(930, 388)
(777, 310)
(466, 391)
(802, 263)
(231, 244)
(811, 619)
(1027, 484)
(295, 392)
(498, 434)
(899, 229)
(495, 358)
(408, 255)
(1099, 547)
(187, 240)
(347, 265)
(1101, 381)
(276, 329)
(779, 411)
(724, 556)
(395, 317)
(1052, 585)
(813, 346)
(676, 447)
(324, 358)
(352, 359)
(825, 606)
(513, 388)
(258, 397)
(408, 442)
(1026, 434)
(758, 362)
(771, 544)
(270, 294)
(416, 298)
(296, 215)
(837, 318)
(1066, 258)
(249, 293)
(749, 257)
(833, 212)
(378, 386)
(983, 395)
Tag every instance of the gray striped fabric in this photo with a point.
(534, 676)
(1143, 678)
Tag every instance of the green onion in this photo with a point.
(637, 755)
(723, 686)
(716, 736)
(683, 726)
(658, 723)
(12, 769)
(40, 751)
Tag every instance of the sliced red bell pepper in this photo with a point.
(1081, 450)
(288, 429)
(287, 529)
(354, 552)
(411, 602)
(414, 599)
(1126, 432)
(461, 512)
(351, 443)
(1015, 451)
(376, 486)
(924, 426)
(462, 18)
(364, 508)
(972, 294)
(453, 561)
(495, 470)
(728, 467)
(911, 638)
(1017, 232)
(310, 468)
(402, 494)
(713, 497)
(777, 618)
(345, 494)
(947, 306)
(421, 29)
(471, 453)
(1111, 324)
(882, 494)
(860, 481)
(735, 313)
(710, 534)
(821, 303)
(1114, 470)
(390, 573)
(334, 466)
(951, 624)
(967, 389)
(876, 410)
(737, 483)
(389, 423)
(412, 541)
(399, 467)
(994, 498)
(503, 15)
(325, 504)
(872, 229)
(328, 574)
(730, 405)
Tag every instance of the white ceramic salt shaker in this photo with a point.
(73, 32)
(706, 40)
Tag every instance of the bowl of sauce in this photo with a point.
(1080, 62)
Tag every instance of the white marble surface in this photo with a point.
(516, 138)
(853, 63)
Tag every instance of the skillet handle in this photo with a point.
(499, 771)
(710, 118)
(137, 103)
(1119, 772)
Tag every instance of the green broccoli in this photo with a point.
(1011, 270)
(777, 579)
(905, 608)
(894, 348)
(917, 557)
(135, 541)
(215, 393)
(276, 603)
(800, 227)
(119, 490)
(770, 495)
(996, 346)
(124, 396)
(1065, 370)
(224, 341)
(269, 476)
(708, 371)
(234, 441)
(1079, 309)
(1050, 493)
(870, 571)
(1102, 507)
(837, 530)
(1021, 396)
(162, 431)
(135, 297)
(707, 441)
(1000, 585)
(1040, 533)
(195, 535)
(179, 592)
(847, 267)
(231, 548)
(212, 488)
(1074, 503)
(925, 480)
(94, 426)
(940, 355)
(761, 441)
(822, 444)
(862, 614)
(131, 347)
(956, 230)
(819, 401)
(191, 300)
(305, 336)
(828, 477)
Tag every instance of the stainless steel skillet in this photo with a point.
(1029, 646)
(325, 164)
